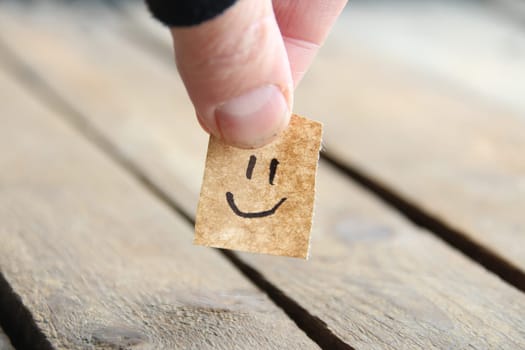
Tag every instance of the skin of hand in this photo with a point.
(241, 67)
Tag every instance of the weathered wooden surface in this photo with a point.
(448, 150)
(373, 278)
(4, 342)
(421, 118)
(100, 262)
(479, 52)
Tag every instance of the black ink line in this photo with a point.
(260, 214)
(273, 169)
(251, 164)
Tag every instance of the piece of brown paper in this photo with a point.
(261, 200)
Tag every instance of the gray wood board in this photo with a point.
(457, 158)
(467, 46)
(375, 280)
(422, 111)
(100, 262)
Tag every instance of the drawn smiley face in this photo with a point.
(261, 200)
(249, 172)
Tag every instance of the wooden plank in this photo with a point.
(4, 342)
(476, 158)
(375, 280)
(457, 157)
(475, 53)
(101, 263)
(382, 118)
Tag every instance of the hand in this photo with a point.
(241, 67)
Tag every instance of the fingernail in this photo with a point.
(254, 118)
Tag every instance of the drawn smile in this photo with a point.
(249, 172)
(259, 214)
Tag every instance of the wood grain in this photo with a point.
(101, 263)
(456, 157)
(447, 135)
(381, 107)
(375, 280)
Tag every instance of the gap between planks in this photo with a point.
(455, 238)
(107, 264)
(436, 281)
(314, 328)
(17, 321)
(418, 216)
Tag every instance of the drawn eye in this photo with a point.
(251, 165)
(273, 169)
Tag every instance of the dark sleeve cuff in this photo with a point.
(181, 13)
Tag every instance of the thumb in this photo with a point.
(236, 71)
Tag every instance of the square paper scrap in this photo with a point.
(261, 200)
